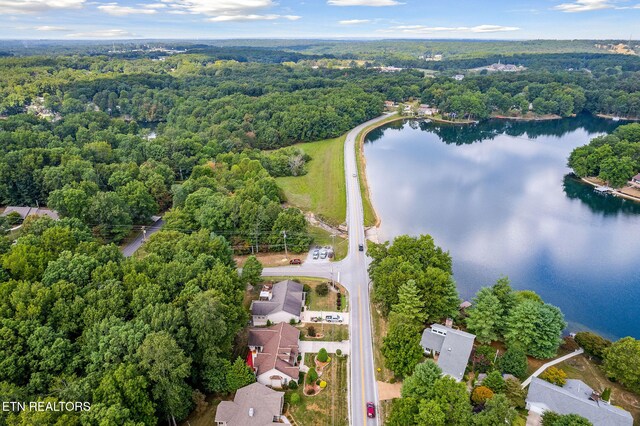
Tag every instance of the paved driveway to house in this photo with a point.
(314, 346)
(306, 316)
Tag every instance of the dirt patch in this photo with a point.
(267, 259)
(387, 391)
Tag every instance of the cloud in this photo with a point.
(219, 7)
(354, 21)
(116, 10)
(584, 6)
(422, 29)
(50, 28)
(375, 3)
(230, 18)
(114, 33)
(37, 6)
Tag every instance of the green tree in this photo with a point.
(617, 171)
(431, 413)
(409, 302)
(497, 411)
(419, 384)
(322, 355)
(481, 394)
(513, 361)
(140, 202)
(239, 375)
(549, 418)
(592, 343)
(494, 381)
(514, 392)
(554, 375)
(109, 215)
(312, 376)
(403, 412)
(535, 327)
(252, 271)
(485, 316)
(622, 362)
(401, 347)
(453, 398)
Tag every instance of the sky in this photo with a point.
(414, 19)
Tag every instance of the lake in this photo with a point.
(500, 198)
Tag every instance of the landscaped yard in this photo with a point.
(329, 407)
(322, 190)
(329, 332)
(324, 303)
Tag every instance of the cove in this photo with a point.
(499, 197)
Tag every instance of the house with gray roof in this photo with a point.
(575, 397)
(450, 348)
(253, 405)
(280, 302)
(25, 212)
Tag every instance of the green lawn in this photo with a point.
(330, 332)
(323, 189)
(323, 238)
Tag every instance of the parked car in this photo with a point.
(360, 247)
(316, 254)
(354, 175)
(323, 254)
(371, 410)
(333, 318)
(295, 262)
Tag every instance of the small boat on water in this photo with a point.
(603, 189)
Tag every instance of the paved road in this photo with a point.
(351, 273)
(134, 245)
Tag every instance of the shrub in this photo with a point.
(606, 394)
(322, 289)
(592, 343)
(269, 323)
(494, 381)
(293, 385)
(549, 418)
(293, 321)
(294, 398)
(323, 384)
(481, 394)
(312, 375)
(569, 344)
(318, 382)
(306, 287)
(311, 331)
(514, 392)
(514, 361)
(338, 352)
(483, 358)
(322, 355)
(554, 375)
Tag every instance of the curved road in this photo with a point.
(354, 277)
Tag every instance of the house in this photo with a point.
(426, 110)
(575, 397)
(458, 77)
(253, 405)
(636, 179)
(25, 212)
(273, 354)
(280, 302)
(451, 348)
(390, 104)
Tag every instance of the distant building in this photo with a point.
(500, 67)
(427, 110)
(458, 77)
(450, 347)
(273, 354)
(390, 104)
(390, 69)
(25, 212)
(575, 397)
(636, 179)
(280, 302)
(253, 405)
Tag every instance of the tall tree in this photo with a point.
(622, 362)
(485, 316)
(410, 303)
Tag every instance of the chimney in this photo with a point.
(448, 323)
(251, 412)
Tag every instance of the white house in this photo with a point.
(281, 302)
(273, 354)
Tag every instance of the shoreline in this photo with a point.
(550, 117)
(615, 192)
(614, 117)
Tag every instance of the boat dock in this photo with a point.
(603, 189)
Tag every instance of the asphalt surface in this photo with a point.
(352, 274)
(134, 245)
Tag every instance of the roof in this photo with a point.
(287, 296)
(574, 398)
(266, 403)
(31, 211)
(636, 177)
(453, 345)
(279, 349)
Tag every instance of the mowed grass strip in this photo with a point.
(323, 189)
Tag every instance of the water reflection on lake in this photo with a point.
(500, 198)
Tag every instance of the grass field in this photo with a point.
(323, 238)
(330, 332)
(323, 189)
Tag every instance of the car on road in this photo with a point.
(316, 253)
(371, 410)
(295, 262)
(360, 247)
(323, 254)
(333, 318)
(355, 175)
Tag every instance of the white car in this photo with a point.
(355, 175)
(333, 318)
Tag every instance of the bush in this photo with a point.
(481, 394)
(494, 381)
(322, 289)
(338, 352)
(483, 357)
(311, 331)
(515, 394)
(549, 418)
(569, 344)
(554, 375)
(323, 384)
(318, 382)
(312, 375)
(293, 385)
(294, 398)
(322, 355)
(514, 361)
(269, 323)
(592, 343)
(306, 287)
(606, 394)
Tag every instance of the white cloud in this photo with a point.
(114, 33)
(354, 21)
(37, 6)
(50, 28)
(219, 7)
(375, 3)
(152, 5)
(116, 10)
(253, 17)
(584, 6)
(422, 29)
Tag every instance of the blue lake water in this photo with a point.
(501, 199)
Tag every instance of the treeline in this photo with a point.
(614, 158)
(140, 339)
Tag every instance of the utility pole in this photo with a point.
(286, 254)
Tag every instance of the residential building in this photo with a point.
(273, 354)
(575, 397)
(426, 110)
(458, 77)
(280, 302)
(450, 348)
(253, 405)
(636, 179)
(25, 212)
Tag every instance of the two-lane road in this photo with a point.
(354, 276)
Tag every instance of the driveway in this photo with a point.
(314, 346)
(534, 419)
(306, 316)
(134, 245)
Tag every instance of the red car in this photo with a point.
(371, 410)
(295, 262)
